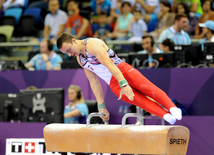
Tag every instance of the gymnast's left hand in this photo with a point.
(127, 90)
(106, 113)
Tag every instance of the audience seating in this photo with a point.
(7, 30)
(1, 13)
(27, 25)
(3, 38)
(8, 20)
(36, 12)
(92, 107)
(94, 27)
(15, 12)
(26, 4)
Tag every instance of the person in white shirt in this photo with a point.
(138, 27)
(12, 3)
(54, 21)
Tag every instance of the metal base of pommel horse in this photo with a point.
(119, 139)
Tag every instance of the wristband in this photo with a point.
(123, 83)
(101, 106)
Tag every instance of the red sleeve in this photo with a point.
(69, 22)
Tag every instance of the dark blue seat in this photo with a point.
(26, 4)
(1, 13)
(94, 27)
(36, 12)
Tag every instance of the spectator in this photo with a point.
(47, 59)
(81, 26)
(208, 30)
(194, 6)
(54, 21)
(115, 10)
(104, 28)
(192, 19)
(116, 6)
(12, 4)
(99, 6)
(165, 19)
(76, 108)
(208, 15)
(138, 27)
(167, 45)
(76, 111)
(148, 46)
(149, 8)
(176, 32)
(123, 23)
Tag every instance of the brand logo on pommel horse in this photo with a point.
(178, 141)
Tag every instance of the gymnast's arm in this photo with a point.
(94, 83)
(96, 88)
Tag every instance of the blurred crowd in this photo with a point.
(157, 24)
(113, 19)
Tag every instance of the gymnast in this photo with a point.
(126, 82)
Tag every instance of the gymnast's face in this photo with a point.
(70, 48)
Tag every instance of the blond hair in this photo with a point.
(78, 90)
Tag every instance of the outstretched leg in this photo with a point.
(143, 102)
(142, 85)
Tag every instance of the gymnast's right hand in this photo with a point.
(106, 113)
(127, 90)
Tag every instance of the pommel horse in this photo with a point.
(119, 139)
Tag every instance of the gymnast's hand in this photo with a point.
(127, 90)
(106, 113)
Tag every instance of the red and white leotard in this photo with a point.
(91, 63)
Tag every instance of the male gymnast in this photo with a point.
(97, 59)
